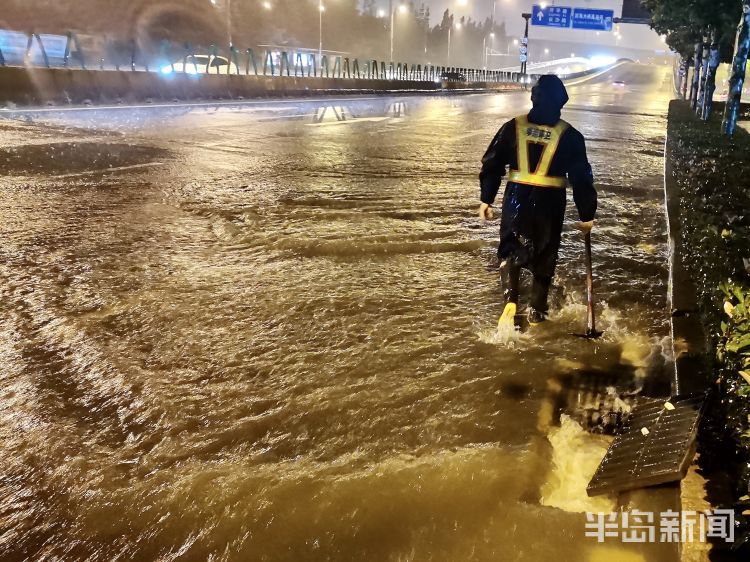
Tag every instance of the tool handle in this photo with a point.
(590, 285)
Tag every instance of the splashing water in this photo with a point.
(505, 335)
(576, 455)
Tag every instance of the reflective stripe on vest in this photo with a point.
(549, 138)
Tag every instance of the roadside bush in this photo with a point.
(713, 176)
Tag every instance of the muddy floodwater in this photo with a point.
(265, 332)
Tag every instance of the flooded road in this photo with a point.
(264, 331)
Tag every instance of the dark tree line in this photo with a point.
(705, 33)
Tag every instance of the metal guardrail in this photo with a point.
(171, 58)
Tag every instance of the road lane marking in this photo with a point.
(104, 171)
(178, 105)
(587, 78)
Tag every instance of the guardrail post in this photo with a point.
(284, 60)
(313, 62)
(30, 44)
(187, 51)
(356, 69)
(250, 59)
(163, 50)
(266, 59)
(133, 50)
(72, 39)
(101, 58)
(324, 65)
(298, 64)
(347, 68)
(337, 67)
(212, 54)
(234, 57)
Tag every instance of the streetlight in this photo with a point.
(458, 28)
(229, 21)
(485, 59)
(321, 9)
(463, 4)
(402, 8)
(525, 51)
(228, 15)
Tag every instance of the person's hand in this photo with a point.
(485, 212)
(585, 227)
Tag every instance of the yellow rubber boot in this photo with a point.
(508, 319)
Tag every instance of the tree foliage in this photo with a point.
(685, 22)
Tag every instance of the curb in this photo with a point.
(688, 340)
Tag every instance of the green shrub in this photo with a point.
(713, 177)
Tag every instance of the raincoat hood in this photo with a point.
(548, 96)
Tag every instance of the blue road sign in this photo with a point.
(551, 16)
(597, 20)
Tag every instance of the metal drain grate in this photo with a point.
(657, 447)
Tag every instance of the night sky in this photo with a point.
(510, 11)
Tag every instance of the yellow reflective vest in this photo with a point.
(549, 138)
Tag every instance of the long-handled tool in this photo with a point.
(591, 331)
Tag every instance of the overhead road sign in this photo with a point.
(637, 21)
(594, 20)
(551, 16)
(578, 18)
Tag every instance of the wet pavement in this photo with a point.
(265, 331)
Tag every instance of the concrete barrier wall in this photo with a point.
(60, 86)
(40, 86)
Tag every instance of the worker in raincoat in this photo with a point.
(543, 154)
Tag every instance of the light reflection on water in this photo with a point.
(268, 345)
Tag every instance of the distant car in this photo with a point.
(453, 77)
(619, 83)
(201, 64)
